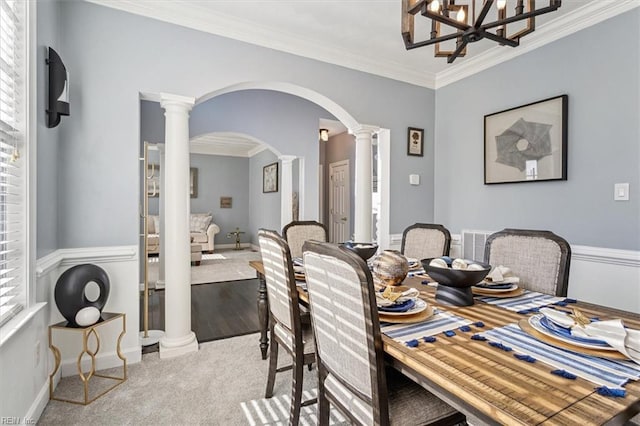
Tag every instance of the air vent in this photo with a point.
(473, 243)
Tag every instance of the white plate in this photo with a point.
(420, 306)
(497, 290)
(413, 263)
(508, 280)
(534, 321)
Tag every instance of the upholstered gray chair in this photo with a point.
(425, 240)
(286, 328)
(297, 232)
(349, 352)
(539, 258)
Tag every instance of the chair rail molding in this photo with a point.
(77, 256)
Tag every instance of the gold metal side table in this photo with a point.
(87, 331)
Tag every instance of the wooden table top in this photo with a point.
(492, 386)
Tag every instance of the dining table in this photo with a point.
(487, 384)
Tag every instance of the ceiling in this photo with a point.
(359, 34)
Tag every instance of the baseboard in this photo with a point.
(38, 405)
(104, 361)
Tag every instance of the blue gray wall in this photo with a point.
(221, 176)
(48, 139)
(601, 76)
(113, 56)
(264, 209)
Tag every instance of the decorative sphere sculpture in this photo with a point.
(391, 267)
(70, 297)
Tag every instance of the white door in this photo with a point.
(339, 195)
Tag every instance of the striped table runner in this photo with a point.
(611, 373)
(439, 322)
(416, 272)
(528, 302)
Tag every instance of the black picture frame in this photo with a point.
(415, 142)
(527, 143)
(270, 178)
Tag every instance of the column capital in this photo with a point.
(364, 130)
(287, 158)
(168, 100)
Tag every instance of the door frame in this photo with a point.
(331, 167)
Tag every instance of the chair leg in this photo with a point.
(273, 366)
(296, 392)
(323, 406)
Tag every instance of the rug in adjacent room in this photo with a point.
(226, 265)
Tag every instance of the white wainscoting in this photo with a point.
(605, 276)
(121, 265)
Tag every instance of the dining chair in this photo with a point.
(539, 258)
(425, 240)
(349, 352)
(286, 327)
(297, 232)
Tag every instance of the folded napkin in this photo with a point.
(501, 274)
(389, 298)
(624, 340)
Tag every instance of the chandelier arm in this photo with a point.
(501, 40)
(433, 40)
(416, 6)
(519, 17)
(445, 20)
(483, 13)
(457, 52)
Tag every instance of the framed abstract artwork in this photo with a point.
(527, 143)
(270, 178)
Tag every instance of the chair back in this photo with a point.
(425, 240)
(539, 258)
(345, 323)
(297, 232)
(279, 277)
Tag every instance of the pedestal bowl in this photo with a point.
(454, 285)
(364, 250)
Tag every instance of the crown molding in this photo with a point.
(586, 16)
(258, 149)
(297, 44)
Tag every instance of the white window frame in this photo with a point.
(28, 153)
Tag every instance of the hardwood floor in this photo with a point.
(218, 310)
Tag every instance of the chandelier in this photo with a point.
(455, 17)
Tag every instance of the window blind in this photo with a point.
(12, 131)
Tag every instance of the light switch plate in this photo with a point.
(414, 179)
(621, 192)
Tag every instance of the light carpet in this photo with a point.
(228, 265)
(204, 387)
(275, 411)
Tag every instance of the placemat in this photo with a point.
(611, 373)
(439, 322)
(528, 302)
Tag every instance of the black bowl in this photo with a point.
(364, 250)
(456, 277)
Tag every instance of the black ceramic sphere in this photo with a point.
(69, 292)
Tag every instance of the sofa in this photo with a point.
(201, 227)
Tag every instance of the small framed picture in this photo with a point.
(225, 202)
(415, 142)
(270, 178)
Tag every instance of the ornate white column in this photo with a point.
(178, 338)
(363, 184)
(286, 188)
